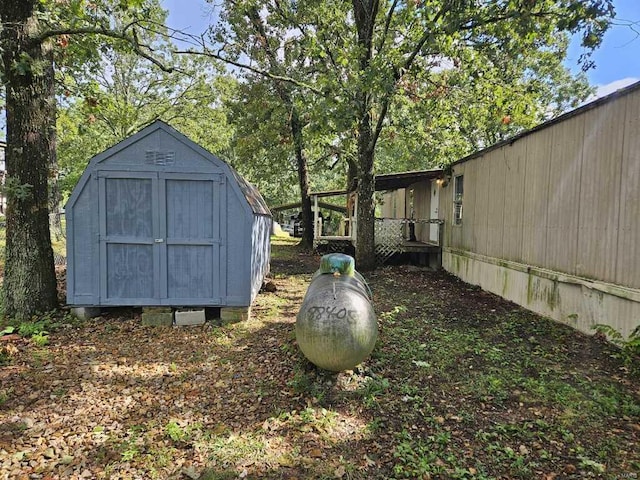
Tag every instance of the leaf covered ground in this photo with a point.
(460, 385)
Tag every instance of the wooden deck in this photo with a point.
(418, 247)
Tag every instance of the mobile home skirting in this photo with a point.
(579, 302)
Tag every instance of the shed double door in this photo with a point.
(160, 238)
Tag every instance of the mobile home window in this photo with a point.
(458, 190)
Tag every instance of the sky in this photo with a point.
(617, 60)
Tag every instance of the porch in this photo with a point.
(393, 237)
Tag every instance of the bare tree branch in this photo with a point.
(131, 39)
(244, 66)
(399, 72)
(387, 24)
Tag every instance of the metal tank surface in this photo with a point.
(336, 328)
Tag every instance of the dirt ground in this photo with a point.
(461, 385)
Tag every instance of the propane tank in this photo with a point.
(336, 328)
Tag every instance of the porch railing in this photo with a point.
(392, 235)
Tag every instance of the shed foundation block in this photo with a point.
(234, 314)
(190, 317)
(86, 313)
(157, 316)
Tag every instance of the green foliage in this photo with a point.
(39, 326)
(29, 329)
(388, 86)
(175, 432)
(123, 92)
(8, 330)
(372, 388)
(40, 339)
(629, 347)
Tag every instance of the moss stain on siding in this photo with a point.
(505, 281)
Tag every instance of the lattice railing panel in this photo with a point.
(388, 238)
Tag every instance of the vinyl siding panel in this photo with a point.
(563, 206)
(496, 204)
(600, 192)
(628, 265)
(481, 182)
(514, 187)
(536, 193)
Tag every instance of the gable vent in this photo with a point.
(157, 157)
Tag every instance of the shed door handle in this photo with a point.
(159, 240)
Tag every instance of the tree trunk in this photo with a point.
(29, 279)
(303, 180)
(365, 238)
(365, 12)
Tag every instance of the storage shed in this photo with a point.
(157, 220)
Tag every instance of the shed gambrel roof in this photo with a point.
(251, 193)
(253, 197)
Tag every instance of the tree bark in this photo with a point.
(365, 12)
(29, 279)
(303, 180)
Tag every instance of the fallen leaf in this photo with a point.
(315, 453)
(286, 461)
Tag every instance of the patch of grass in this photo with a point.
(226, 450)
(431, 457)
(307, 382)
(284, 248)
(372, 388)
(132, 446)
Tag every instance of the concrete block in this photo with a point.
(86, 313)
(190, 317)
(234, 314)
(157, 316)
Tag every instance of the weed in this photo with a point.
(59, 392)
(185, 434)
(372, 388)
(226, 450)
(307, 383)
(29, 329)
(588, 464)
(132, 446)
(374, 426)
(5, 394)
(8, 330)
(40, 339)
(175, 432)
(629, 347)
(39, 356)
